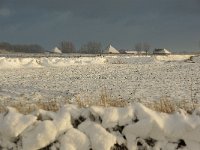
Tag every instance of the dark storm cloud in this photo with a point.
(102, 20)
(111, 8)
(129, 11)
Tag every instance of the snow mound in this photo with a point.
(48, 62)
(99, 137)
(114, 116)
(35, 62)
(18, 62)
(172, 57)
(13, 123)
(132, 127)
(39, 136)
(74, 140)
(62, 121)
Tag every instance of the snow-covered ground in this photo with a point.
(133, 127)
(125, 77)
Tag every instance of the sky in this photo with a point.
(171, 24)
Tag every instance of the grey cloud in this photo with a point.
(112, 8)
(4, 12)
(104, 20)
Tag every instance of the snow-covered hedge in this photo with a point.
(99, 128)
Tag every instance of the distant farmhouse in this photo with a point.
(135, 52)
(111, 50)
(56, 50)
(161, 51)
(131, 52)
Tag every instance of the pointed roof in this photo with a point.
(111, 49)
(161, 51)
(56, 50)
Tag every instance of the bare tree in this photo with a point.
(138, 46)
(142, 46)
(67, 47)
(91, 48)
(32, 48)
(146, 47)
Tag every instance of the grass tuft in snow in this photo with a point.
(163, 105)
(26, 107)
(105, 99)
(169, 106)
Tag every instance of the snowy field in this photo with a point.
(133, 127)
(129, 78)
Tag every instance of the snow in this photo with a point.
(39, 136)
(62, 121)
(133, 78)
(152, 130)
(161, 51)
(99, 137)
(172, 57)
(196, 59)
(111, 49)
(74, 139)
(13, 123)
(6, 63)
(114, 116)
(56, 50)
(44, 115)
(130, 60)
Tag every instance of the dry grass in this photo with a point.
(104, 100)
(26, 107)
(163, 105)
(169, 106)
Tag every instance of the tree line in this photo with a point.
(91, 47)
(26, 48)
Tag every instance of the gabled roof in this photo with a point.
(161, 51)
(111, 49)
(56, 50)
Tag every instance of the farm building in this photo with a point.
(161, 51)
(131, 52)
(111, 50)
(56, 50)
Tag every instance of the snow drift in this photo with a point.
(48, 62)
(61, 62)
(172, 57)
(132, 127)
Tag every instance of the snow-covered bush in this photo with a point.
(134, 127)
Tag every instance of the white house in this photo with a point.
(131, 52)
(111, 50)
(56, 50)
(161, 52)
